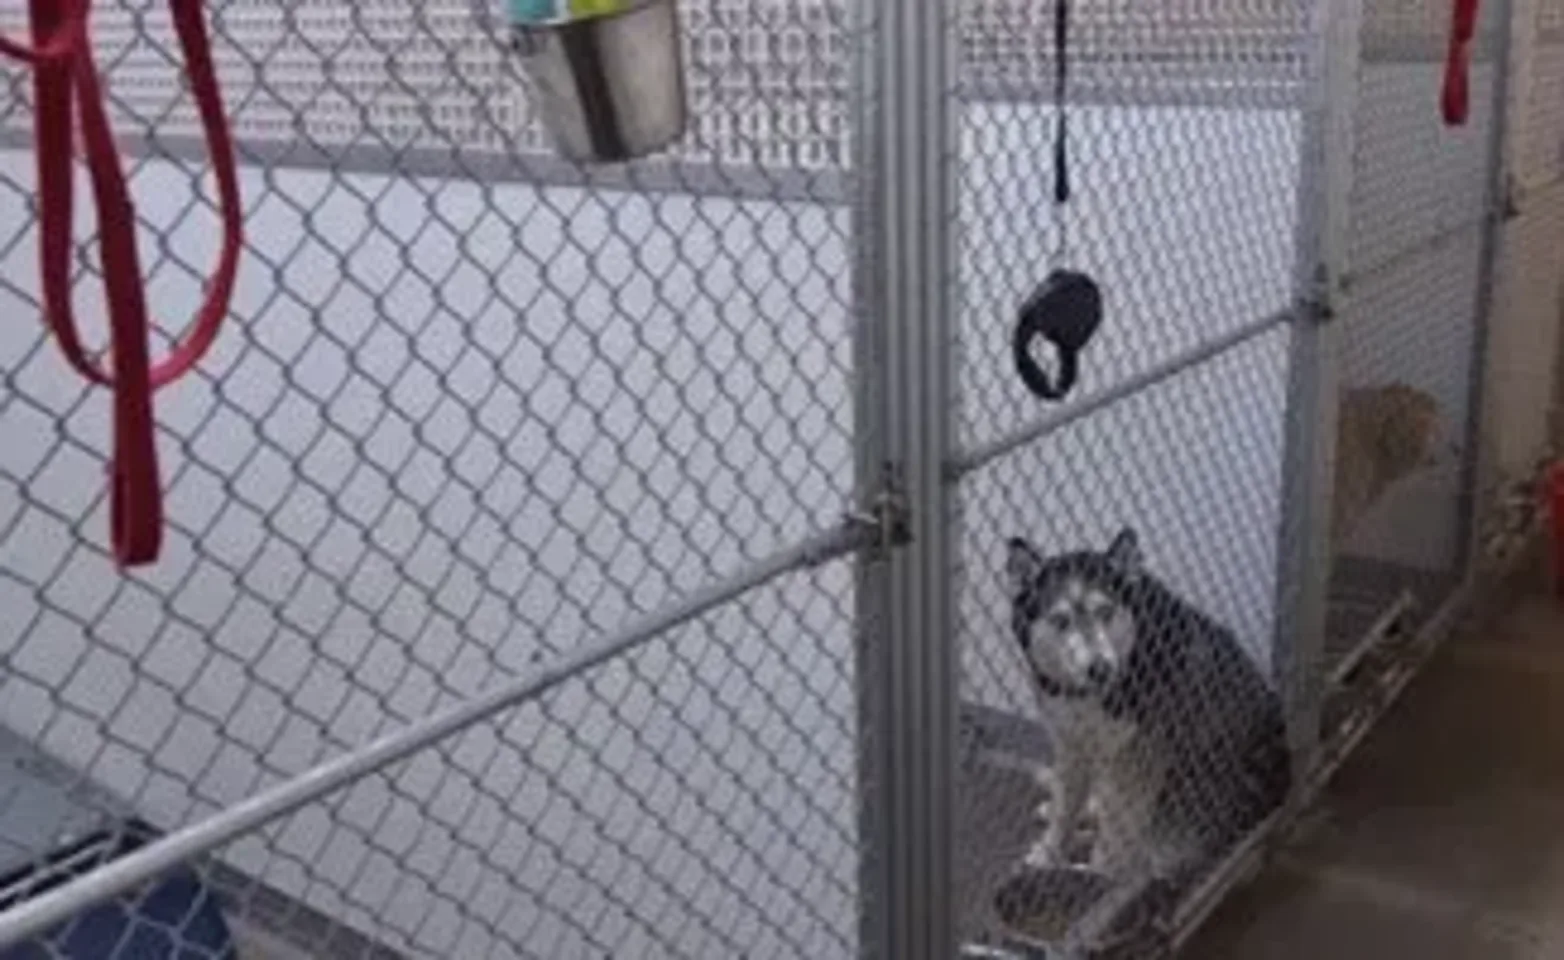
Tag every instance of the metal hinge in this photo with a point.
(1509, 199)
(887, 520)
(1317, 305)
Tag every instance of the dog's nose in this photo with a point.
(1100, 672)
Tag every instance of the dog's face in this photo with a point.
(1074, 632)
(1407, 421)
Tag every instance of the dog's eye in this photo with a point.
(1059, 620)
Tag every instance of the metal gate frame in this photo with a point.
(908, 468)
(906, 600)
(907, 660)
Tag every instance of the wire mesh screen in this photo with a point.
(432, 88)
(1521, 408)
(473, 408)
(513, 522)
(1083, 801)
(1420, 201)
(1525, 329)
(673, 804)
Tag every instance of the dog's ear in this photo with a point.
(1124, 553)
(1023, 563)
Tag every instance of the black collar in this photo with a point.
(1062, 690)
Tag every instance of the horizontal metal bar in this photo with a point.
(41, 913)
(1423, 245)
(740, 181)
(1383, 47)
(971, 459)
(1254, 85)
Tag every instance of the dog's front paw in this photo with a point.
(1050, 851)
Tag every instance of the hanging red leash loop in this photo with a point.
(66, 87)
(1455, 100)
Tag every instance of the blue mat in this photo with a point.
(178, 917)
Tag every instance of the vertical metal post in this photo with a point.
(1479, 468)
(1304, 548)
(906, 667)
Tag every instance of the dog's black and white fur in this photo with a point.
(1160, 719)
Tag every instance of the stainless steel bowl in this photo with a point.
(608, 86)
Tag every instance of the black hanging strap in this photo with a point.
(1066, 310)
(1061, 94)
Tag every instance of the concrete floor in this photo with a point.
(1443, 838)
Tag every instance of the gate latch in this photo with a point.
(1317, 305)
(888, 520)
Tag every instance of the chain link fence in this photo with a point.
(518, 598)
(1191, 456)
(1184, 165)
(470, 412)
(1417, 268)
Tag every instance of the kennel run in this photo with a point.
(610, 561)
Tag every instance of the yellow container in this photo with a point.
(595, 8)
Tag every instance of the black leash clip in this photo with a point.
(1066, 311)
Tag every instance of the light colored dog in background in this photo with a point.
(1384, 435)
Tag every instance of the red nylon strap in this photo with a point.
(1455, 99)
(60, 44)
(61, 56)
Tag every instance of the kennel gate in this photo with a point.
(633, 629)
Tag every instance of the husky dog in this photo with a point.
(1158, 716)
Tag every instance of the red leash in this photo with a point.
(1554, 497)
(64, 77)
(1455, 99)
